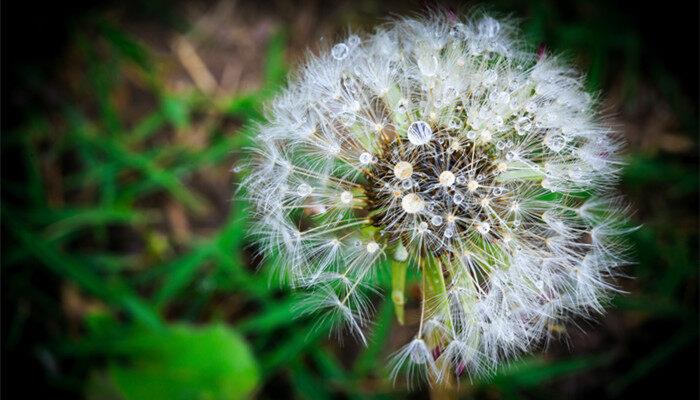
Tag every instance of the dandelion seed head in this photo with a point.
(442, 143)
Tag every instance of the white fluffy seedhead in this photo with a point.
(442, 144)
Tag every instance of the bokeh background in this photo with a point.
(126, 273)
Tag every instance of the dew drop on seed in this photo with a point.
(488, 27)
(407, 184)
(346, 197)
(455, 123)
(449, 232)
(461, 180)
(458, 198)
(436, 220)
(471, 135)
(372, 247)
(304, 190)
(483, 228)
(428, 65)
(354, 40)
(555, 142)
(500, 145)
(419, 133)
(457, 31)
(490, 77)
(365, 158)
(503, 97)
(347, 118)
(340, 51)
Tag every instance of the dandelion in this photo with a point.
(444, 146)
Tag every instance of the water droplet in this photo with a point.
(428, 65)
(449, 232)
(347, 118)
(403, 170)
(471, 135)
(483, 227)
(412, 203)
(346, 197)
(354, 40)
(490, 77)
(407, 184)
(458, 31)
(419, 133)
(461, 180)
(340, 51)
(458, 198)
(401, 107)
(436, 220)
(446, 178)
(365, 158)
(555, 142)
(500, 145)
(488, 27)
(372, 247)
(304, 190)
(503, 98)
(455, 123)
(401, 254)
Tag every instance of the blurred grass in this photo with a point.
(121, 207)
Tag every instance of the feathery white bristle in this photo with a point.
(445, 142)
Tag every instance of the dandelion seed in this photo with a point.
(340, 51)
(412, 203)
(440, 146)
(419, 133)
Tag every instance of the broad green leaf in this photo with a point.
(183, 363)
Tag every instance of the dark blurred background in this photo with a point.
(125, 270)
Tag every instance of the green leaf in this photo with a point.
(176, 111)
(185, 363)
